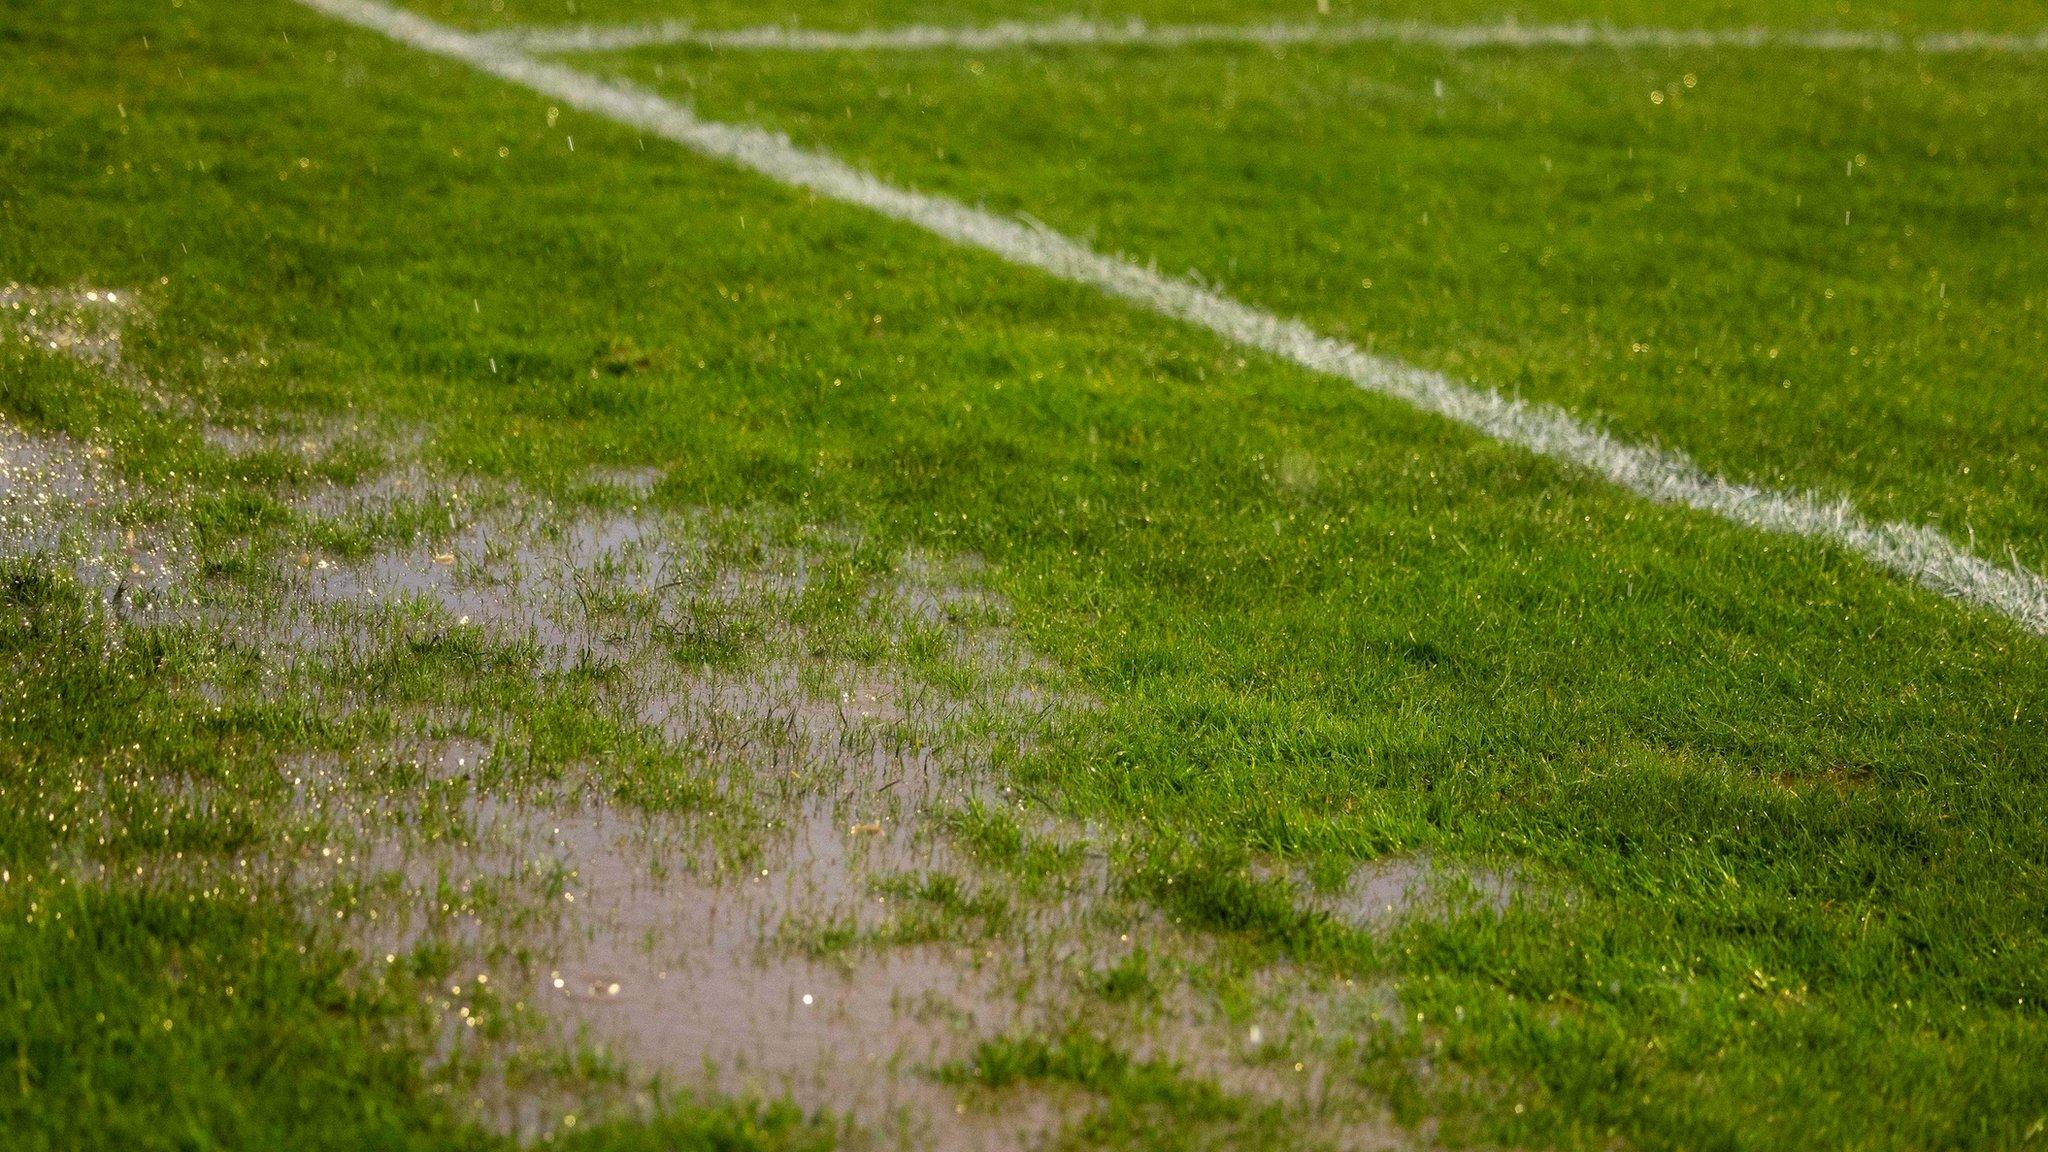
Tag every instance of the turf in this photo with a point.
(1792, 806)
(1808, 270)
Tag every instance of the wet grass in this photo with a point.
(1807, 270)
(1146, 1092)
(140, 1012)
(161, 994)
(938, 906)
(1215, 889)
(994, 839)
(1795, 802)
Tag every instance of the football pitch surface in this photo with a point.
(1001, 575)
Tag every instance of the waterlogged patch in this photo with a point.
(59, 501)
(706, 798)
(1382, 893)
(772, 965)
(83, 323)
(710, 799)
(62, 500)
(621, 932)
(802, 892)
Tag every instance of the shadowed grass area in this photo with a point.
(1795, 805)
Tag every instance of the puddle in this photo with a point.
(50, 472)
(58, 499)
(853, 952)
(83, 323)
(306, 441)
(764, 980)
(657, 956)
(686, 975)
(1380, 893)
(802, 927)
(638, 482)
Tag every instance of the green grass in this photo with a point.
(1155, 1104)
(1793, 807)
(168, 1010)
(1808, 270)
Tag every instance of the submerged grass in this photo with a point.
(1140, 1087)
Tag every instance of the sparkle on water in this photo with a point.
(804, 926)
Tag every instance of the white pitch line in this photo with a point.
(1914, 551)
(1077, 31)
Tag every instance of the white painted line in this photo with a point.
(1919, 553)
(1077, 31)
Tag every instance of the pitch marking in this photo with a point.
(1074, 31)
(1915, 551)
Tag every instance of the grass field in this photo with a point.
(523, 631)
